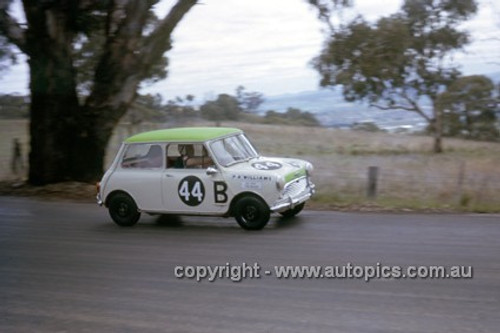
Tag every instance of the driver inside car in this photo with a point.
(187, 158)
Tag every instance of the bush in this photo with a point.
(293, 116)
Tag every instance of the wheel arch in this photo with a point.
(115, 192)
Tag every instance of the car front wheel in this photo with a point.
(251, 213)
(123, 210)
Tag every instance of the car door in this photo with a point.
(189, 188)
(139, 174)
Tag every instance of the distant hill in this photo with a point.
(332, 110)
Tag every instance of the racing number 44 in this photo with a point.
(191, 191)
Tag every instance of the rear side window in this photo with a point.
(143, 156)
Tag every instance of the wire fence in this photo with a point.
(466, 189)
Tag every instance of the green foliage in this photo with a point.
(249, 101)
(145, 108)
(400, 60)
(180, 109)
(86, 59)
(397, 59)
(92, 34)
(152, 108)
(293, 116)
(470, 105)
(229, 108)
(327, 7)
(225, 107)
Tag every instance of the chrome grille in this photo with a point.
(295, 187)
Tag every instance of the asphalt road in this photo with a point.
(65, 267)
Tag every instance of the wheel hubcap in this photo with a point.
(250, 213)
(123, 209)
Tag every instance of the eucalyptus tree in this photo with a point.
(86, 60)
(402, 61)
(470, 106)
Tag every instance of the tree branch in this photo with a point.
(392, 107)
(158, 42)
(414, 107)
(327, 8)
(10, 28)
(116, 13)
(128, 56)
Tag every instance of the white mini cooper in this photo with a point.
(202, 171)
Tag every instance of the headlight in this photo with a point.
(280, 182)
(309, 168)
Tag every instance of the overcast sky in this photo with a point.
(266, 46)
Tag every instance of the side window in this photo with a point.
(188, 156)
(143, 156)
(174, 158)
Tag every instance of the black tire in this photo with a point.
(294, 211)
(251, 213)
(123, 210)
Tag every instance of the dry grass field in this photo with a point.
(464, 178)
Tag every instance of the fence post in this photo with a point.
(16, 162)
(460, 199)
(371, 190)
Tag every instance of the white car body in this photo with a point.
(234, 171)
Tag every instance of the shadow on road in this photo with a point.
(200, 223)
(287, 222)
(197, 222)
(169, 221)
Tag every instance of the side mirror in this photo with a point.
(211, 171)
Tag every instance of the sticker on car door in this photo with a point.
(191, 190)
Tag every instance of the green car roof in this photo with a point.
(183, 134)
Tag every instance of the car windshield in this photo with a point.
(233, 149)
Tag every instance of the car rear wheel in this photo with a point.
(251, 213)
(123, 210)
(294, 211)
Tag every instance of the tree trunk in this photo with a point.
(100, 115)
(87, 160)
(69, 140)
(438, 143)
(54, 102)
(52, 124)
(437, 130)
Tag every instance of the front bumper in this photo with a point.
(290, 201)
(99, 200)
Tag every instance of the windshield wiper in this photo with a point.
(250, 158)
